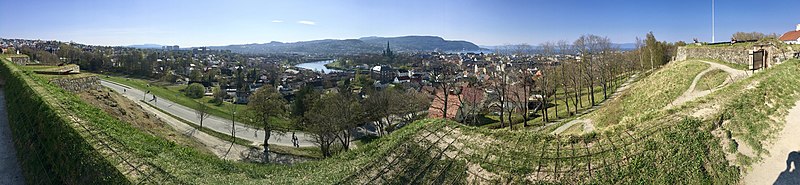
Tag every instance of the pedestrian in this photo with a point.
(294, 141)
(124, 91)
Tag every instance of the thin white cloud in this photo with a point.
(277, 21)
(307, 22)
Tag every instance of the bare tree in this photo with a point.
(638, 53)
(232, 110)
(444, 81)
(471, 100)
(415, 102)
(348, 116)
(202, 112)
(499, 84)
(548, 50)
(380, 104)
(325, 122)
(563, 50)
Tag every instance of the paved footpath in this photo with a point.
(215, 123)
(10, 172)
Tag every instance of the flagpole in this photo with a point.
(713, 39)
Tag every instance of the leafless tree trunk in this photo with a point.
(202, 112)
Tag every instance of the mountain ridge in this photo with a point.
(372, 44)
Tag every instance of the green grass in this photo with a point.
(711, 80)
(37, 67)
(309, 152)
(683, 152)
(575, 129)
(749, 113)
(661, 147)
(650, 94)
(753, 109)
(32, 68)
(173, 93)
(336, 64)
(585, 98)
(493, 120)
(188, 166)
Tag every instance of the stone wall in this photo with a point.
(19, 60)
(738, 55)
(77, 85)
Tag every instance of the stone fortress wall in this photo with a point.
(737, 55)
(79, 84)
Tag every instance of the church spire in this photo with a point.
(388, 51)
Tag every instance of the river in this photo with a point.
(317, 66)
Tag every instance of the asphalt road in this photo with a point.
(10, 172)
(215, 123)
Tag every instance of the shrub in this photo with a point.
(195, 90)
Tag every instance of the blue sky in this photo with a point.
(486, 22)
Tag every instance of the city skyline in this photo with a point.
(210, 23)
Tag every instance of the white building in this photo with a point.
(791, 37)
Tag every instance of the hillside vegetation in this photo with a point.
(651, 145)
(649, 94)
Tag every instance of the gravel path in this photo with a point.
(775, 168)
(10, 172)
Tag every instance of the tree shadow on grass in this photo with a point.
(790, 176)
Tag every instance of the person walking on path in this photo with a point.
(294, 141)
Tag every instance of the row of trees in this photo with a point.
(331, 117)
(130, 61)
(752, 35)
(553, 78)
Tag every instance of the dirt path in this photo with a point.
(774, 169)
(690, 93)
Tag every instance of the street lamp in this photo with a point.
(713, 39)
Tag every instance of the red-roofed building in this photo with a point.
(437, 106)
(470, 95)
(791, 37)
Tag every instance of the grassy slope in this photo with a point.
(711, 80)
(191, 166)
(649, 94)
(493, 121)
(683, 154)
(729, 64)
(754, 108)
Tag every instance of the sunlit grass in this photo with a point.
(650, 94)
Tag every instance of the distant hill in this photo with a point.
(538, 48)
(421, 43)
(352, 46)
(146, 46)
